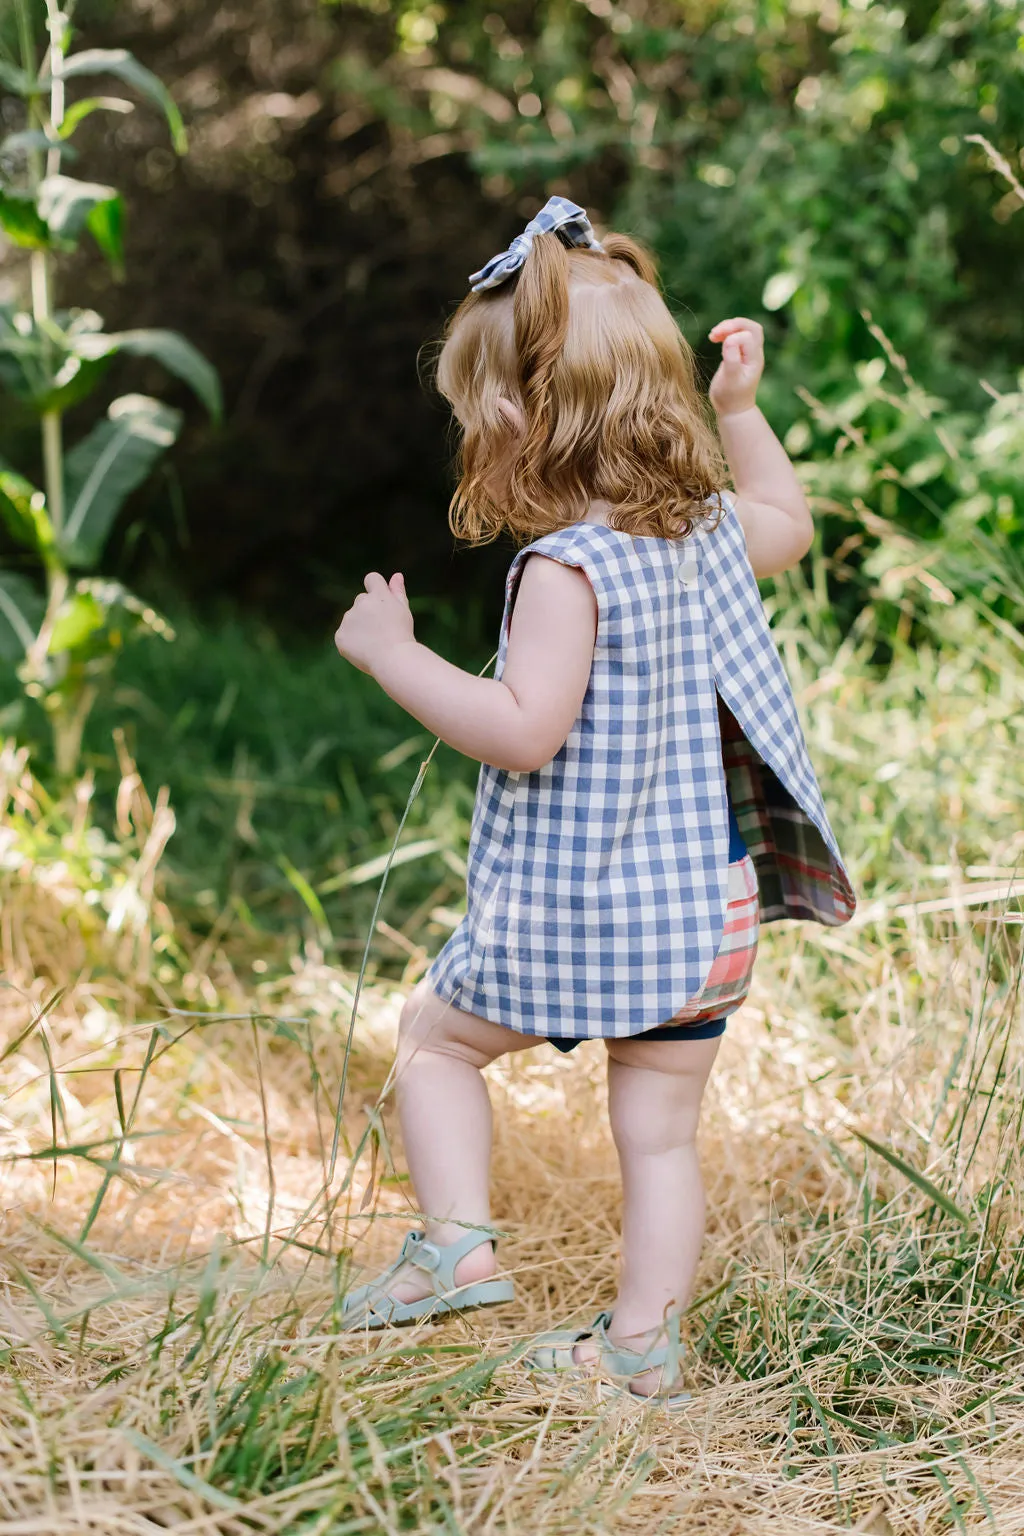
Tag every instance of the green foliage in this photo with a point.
(21, 611)
(21, 220)
(813, 161)
(51, 849)
(280, 758)
(78, 111)
(96, 619)
(42, 362)
(174, 352)
(104, 468)
(120, 64)
(817, 167)
(50, 361)
(23, 511)
(916, 491)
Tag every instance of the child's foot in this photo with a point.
(413, 1284)
(648, 1383)
(429, 1280)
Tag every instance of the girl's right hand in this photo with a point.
(734, 386)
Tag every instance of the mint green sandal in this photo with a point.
(553, 1352)
(371, 1306)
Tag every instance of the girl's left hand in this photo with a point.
(379, 618)
(734, 386)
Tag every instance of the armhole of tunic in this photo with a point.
(727, 501)
(559, 560)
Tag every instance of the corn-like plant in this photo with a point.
(63, 633)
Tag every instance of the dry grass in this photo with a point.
(856, 1352)
(170, 1352)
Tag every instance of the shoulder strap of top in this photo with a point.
(573, 545)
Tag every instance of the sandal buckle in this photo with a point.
(416, 1250)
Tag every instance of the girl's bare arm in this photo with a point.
(518, 722)
(770, 502)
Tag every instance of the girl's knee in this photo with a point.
(429, 1024)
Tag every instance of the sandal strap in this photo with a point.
(618, 1360)
(439, 1260)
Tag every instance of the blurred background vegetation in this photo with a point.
(830, 166)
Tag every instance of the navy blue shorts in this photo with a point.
(710, 1029)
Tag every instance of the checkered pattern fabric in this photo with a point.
(733, 967)
(597, 885)
(558, 216)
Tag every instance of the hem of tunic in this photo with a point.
(540, 1035)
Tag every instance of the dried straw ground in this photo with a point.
(857, 1347)
(175, 1247)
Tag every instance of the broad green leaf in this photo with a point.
(177, 355)
(21, 221)
(79, 618)
(22, 366)
(66, 204)
(106, 225)
(80, 110)
(120, 63)
(917, 1179)
(23, 511)
(44, 370)
(99, 616)
(21, 613)
(76, 377)
(17, 80)
(74, 380)
(103, 469)
(122, 610)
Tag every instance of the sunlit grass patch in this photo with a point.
(856, 1340)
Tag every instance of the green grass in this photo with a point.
(286, 768)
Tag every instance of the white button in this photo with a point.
(689, 570)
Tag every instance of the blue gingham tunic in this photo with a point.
(597, 885)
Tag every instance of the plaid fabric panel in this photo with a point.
(796, 874)
(732, 971)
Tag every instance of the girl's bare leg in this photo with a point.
(445, 1114)
(654, 1097)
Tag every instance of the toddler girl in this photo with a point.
(645, 797)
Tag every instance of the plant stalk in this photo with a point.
(67, 731)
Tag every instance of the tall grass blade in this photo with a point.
(267, 1148)
(53, 1322)
(310, 900)
(181, 1474)
(33, 1025)
(925, 1185)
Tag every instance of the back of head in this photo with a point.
(604, 400)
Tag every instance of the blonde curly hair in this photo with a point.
(582, 342)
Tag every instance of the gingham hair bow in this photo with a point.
(558, 216)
